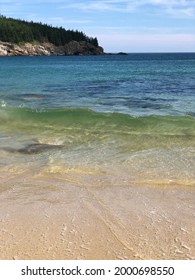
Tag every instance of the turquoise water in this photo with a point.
(137, 84)
(120, 118)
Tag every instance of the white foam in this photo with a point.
(3, 103)
(50, 141)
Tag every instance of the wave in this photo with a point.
(77, 118)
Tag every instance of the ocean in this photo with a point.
(59, 112)
(97, 122)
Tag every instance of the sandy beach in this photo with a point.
(52, 218)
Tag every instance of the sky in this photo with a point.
(124, 25)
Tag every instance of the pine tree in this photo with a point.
(20, 31)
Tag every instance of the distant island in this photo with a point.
(119, 53)
(19, 37)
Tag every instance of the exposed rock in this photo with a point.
(34, 149)
(48, 49)
(122, 53)
(3, 50)
(119, 53)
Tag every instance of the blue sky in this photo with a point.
(126, 25)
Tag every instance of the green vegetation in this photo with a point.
(20, 31)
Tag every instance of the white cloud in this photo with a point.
(180, 8)
(185, 12)
(98, 6)
(176, 8)
(172, 7)
(60, 20)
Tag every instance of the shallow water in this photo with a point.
(144, 148)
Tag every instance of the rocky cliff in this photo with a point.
(48, 49)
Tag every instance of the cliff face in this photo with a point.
(48, 49)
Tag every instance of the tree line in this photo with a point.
(20, 31)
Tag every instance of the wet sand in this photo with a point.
(45, 217)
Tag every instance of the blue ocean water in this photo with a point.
(136, 84)
(131, 116)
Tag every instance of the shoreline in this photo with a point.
(49, 49)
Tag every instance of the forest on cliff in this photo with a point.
(20, 31)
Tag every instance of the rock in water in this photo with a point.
(35, 149)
